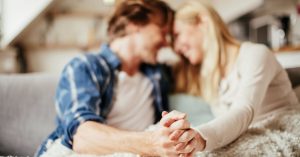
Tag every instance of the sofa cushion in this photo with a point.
(27, 112)
(197, 110)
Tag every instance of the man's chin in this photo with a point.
(150, 61)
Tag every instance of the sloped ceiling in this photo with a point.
(18, 15)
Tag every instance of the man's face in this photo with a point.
(149, 39)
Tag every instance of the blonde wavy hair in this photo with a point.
(203, 80)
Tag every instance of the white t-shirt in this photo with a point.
(133, 107)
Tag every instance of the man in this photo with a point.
(105, 100)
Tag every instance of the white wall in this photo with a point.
(233, 9)
(8, 61)
(50, 60)
(17, 14)
(289, 59)
(228, 9)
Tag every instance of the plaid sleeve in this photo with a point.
(78, 98)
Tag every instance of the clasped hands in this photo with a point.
(176, 138)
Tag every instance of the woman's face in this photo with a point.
(188, 41)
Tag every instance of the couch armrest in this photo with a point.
(294, 75)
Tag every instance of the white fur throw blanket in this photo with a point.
(276, 136)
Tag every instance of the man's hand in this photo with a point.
(170, 118)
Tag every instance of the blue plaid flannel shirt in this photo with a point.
(85, 92)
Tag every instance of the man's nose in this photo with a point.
(177, 47)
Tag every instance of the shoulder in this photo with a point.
(255, 52)
(86, 66)
(256, 58)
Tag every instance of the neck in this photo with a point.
(125, 51)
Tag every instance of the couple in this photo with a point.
(104, 101)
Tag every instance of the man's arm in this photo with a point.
(96, 138)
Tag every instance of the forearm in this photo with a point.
(96, 138)
(226, 128)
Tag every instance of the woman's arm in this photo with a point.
(257, 68)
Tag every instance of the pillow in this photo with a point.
(197, 110)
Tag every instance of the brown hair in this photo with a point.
(139, 12)
(165, 13)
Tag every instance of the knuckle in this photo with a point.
(164, 145)
(174, 112)
(194, 142)
(186, 123)
(184, 137)
(183, 124)
(191, 135)
(189, 148)
(179, 146)
(180, 123)
(177, 132)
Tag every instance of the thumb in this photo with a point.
(171, 117)
(164, 113)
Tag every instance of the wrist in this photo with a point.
(201, 141)
(150, 143)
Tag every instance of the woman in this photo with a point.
(243, 82)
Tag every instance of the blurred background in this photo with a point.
(43, 35)
(38, 37)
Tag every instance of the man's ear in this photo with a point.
(132, 28)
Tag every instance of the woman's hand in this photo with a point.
(195, 142)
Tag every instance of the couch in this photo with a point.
(27, 112)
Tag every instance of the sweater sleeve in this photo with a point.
(257, 68)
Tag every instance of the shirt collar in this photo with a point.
(111, 57)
